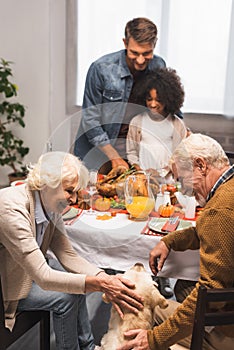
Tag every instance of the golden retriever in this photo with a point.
(146, 287)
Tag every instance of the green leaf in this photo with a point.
(12, 149)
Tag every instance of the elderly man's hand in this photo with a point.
(158, 256)
(136, 339)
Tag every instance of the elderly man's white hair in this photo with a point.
(200, 146)
(53, 168)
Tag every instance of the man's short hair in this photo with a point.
(142, 30)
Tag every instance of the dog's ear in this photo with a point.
(158, 298)
(163, 304)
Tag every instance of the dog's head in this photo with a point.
(144, 286)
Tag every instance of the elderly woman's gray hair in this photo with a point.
(200, 146)
(53, 168)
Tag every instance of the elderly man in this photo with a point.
(30, 224)
(201, 165)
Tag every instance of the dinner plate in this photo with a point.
(156, 224)
(71, 213)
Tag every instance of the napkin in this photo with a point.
(147, 231)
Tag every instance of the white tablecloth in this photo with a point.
(118, 244)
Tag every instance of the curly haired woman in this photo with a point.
(155, 133)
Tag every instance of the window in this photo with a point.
(198, 47)
(195, 38)
(101, 29)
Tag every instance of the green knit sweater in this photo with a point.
(214, 236)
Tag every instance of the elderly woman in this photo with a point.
(202, 166)
(30, 224)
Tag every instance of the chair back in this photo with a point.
(210, 315)
(24, 321)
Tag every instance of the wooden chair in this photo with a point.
(205, 316)
(24, 321)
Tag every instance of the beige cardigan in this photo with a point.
(22, 261)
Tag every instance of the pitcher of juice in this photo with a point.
(139, 199)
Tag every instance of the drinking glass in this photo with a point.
(91, 189)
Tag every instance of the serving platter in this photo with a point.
(156, 224)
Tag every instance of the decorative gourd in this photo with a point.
(166, 210)
(102, 204)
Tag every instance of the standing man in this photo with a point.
(106, 105)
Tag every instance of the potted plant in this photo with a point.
(12, 149)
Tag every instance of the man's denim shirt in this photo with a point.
(107, 89)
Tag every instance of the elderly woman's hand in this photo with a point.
(118, 290)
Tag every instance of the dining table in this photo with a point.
(117, 243)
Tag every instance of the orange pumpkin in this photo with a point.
(102, 204)
(166, 210)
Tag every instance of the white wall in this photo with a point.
(32, 35)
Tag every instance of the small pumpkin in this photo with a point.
(166, 210)
(102, 204)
